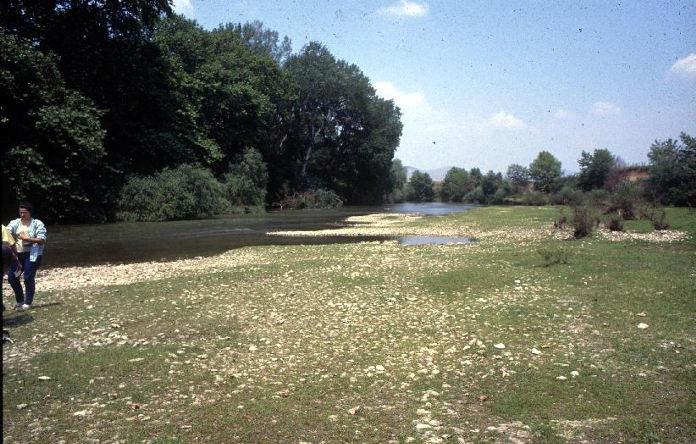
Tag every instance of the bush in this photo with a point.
(657, 216)
(498, 197)
(568, 196)
(320, 198)
(597, 198)
(561, 222)
(625, 200)
(186, 192)
(246, 182)
(584, 220)
(534, 198)
(615, 222)
(475, 196)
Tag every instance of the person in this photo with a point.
(9, 255)
(30, 234)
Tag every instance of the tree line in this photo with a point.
(121, 109)
(670, 179)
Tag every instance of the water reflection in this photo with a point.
(147, 241)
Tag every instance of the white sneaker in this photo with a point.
(26, 306)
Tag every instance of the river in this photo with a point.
(70, 245)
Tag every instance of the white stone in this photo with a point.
(642, 326)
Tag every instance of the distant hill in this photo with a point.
(437, 174)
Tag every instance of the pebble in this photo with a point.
(535, 351)
(642, 325)
(561, 378)
(499, 345)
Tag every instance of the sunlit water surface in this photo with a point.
(70, 245)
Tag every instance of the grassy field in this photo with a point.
(523, 336)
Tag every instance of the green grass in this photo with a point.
(371, 342)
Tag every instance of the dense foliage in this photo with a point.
(545, 171)
(673, 171)
(185, 192)
(96, 96)
(420, 188)
(108, 108)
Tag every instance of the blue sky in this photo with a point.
(491, 83)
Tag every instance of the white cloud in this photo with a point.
(602, 108)
(405, 8)
(182, 6)
(506, 121)
(413, 102)
(685, 67)
(562, 114)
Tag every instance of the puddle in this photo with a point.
(434, 240)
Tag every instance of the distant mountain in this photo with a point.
(437, 174)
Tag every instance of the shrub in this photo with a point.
(186, 192)
(475, 196)
(246, 182)
(498, 197)
(534, 198)
(561, 222)
(615, 222)
(625, 200)
(597, 198)
(585, 218)
(320, 198)
(657, 216)
(568, 196)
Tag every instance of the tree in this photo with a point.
(476, 176)
(545, 171)
(50, 135)
(420, 187)
(246, 182)
(456, 185)
(673, 170)
(595, 169)
(398, 181)
(490, 183)
(258, 39)
(518, 176)
(344, 136)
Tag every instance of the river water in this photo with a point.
(70, 245)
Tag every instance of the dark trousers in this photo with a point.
(29, 270)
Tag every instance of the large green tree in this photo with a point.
(518, 176)
(344, 136)
(50, 136)
(456, 185)
(398, 180)
(595, 169)
(673, 170)
(545, 171)
(420, 187)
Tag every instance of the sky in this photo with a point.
(491, 83)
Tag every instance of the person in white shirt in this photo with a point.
(30, 234)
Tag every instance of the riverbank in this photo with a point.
(369, 341)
